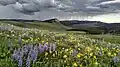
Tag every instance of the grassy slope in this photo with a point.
(57, 27)
(107, 38)
(39, 25)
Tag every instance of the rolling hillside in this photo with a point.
(91, 27)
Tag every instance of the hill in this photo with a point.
(91, 27)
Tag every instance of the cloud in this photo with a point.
(109, 2)
(26, 8)
(9, 12)
(23, 1)
(104, 6)
(88, 6)
(112, 4)
(31, 6)
(7, 2)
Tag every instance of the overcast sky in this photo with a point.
(99, 10)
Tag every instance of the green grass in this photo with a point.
(107, 38)
(40, 25)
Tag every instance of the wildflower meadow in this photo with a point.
(32, 47)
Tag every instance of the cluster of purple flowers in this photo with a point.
(30, 53)
(116, 59)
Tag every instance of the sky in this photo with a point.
(98, 10)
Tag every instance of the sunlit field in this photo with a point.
(31, 46)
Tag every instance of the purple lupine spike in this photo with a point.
(33, 55)
(36, 53)
(36, 48)
(40, 48)
(116, 59)
(16, 55)
(30, 47)
(20, 62)
(74, 52)
(21, 53)
(28, 62)
(50, 47)
(25, 50)
(45, 47)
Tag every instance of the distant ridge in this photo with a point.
(51, 20)
(20, 20)
(92, 27)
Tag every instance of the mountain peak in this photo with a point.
(51, 20)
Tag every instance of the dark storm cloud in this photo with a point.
(7, 2)
(97, 7)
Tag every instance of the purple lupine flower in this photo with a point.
(45, 47)
(33, 55)
(40, 48)
(36, 53)
(16, 55)
(20, 62)
(36, 48)
(50, 47)
(28, 61)
(116, 59)
(30, 47)
(21, 53)
(74, 52)
(25, 50)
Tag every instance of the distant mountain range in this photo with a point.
(20, 20)
(92, 27)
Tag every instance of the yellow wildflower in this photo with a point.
(91, 54)
(96, 63)
(53, 55)
(65, 56)
(117, 50)
(109, 54)
(75, 64)
(114, 54)
(79, 55)
(78, 48)
(66, 50)
(80, 65)
(46, 53)
(42, 41)
(94, 57)
(88, 49)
